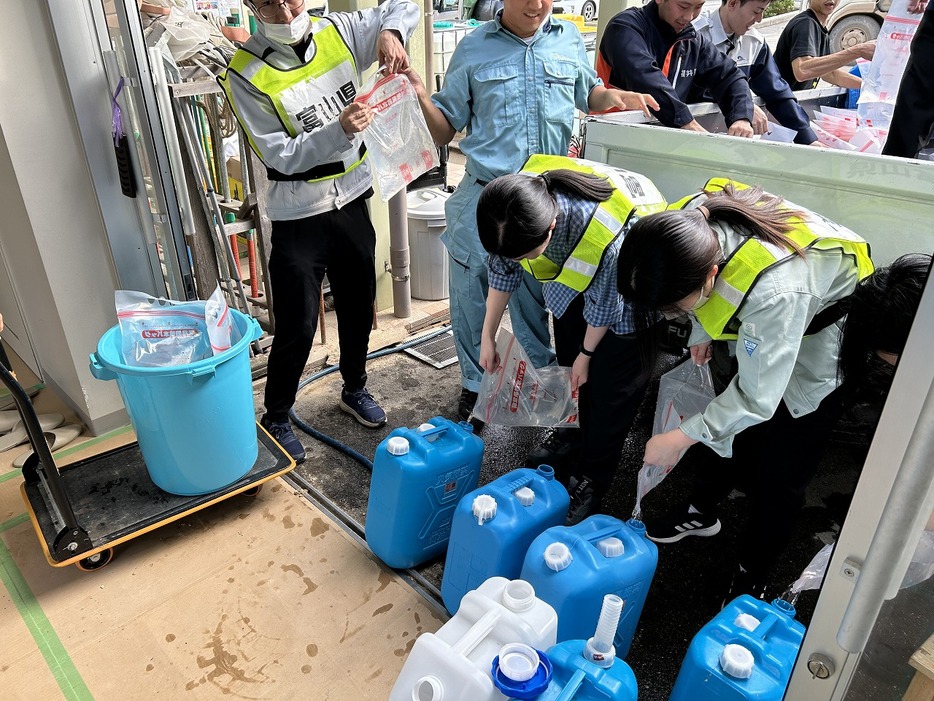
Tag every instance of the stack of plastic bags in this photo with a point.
(843, 129)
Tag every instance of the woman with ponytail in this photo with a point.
(768, 279)
(561, 220)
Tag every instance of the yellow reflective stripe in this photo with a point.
(608, 219)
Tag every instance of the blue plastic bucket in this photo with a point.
(768, 639)
(574, 567)
(419, 475)
(196, 422)
(495, 524)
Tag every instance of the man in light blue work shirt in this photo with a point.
(514, 85)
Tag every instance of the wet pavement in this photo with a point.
(692, 575)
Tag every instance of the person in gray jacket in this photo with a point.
(768, 279)
(292, 88)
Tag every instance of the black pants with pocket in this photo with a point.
(773, 463)
(610, 398)
(341, 243)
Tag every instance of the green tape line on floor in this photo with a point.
(56, 657)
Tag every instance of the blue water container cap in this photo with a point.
(518, 661)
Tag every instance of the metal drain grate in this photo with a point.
(439, 352)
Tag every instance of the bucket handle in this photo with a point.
(98, 370)
(205, 372)
(435, 431)
(255, 330)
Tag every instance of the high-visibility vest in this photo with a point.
(755, 257)
(305, 98)
(634, 195)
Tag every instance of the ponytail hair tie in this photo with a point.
(703, 210)
(546, 180)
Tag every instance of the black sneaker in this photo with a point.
(363, 408)
(744, 583)
(561, 446)
(585, 501)
(281, 431)
(465, 403)
(680, 524)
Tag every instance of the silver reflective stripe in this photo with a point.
(728, 292)
(578, 266)
(608, 220)
(251, 69)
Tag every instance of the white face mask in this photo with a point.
(290, 33)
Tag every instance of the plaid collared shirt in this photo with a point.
(603, 305)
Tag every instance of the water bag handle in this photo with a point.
(436, 431)
(519, 483)
(599, 535)
(98, 370)
(567, 693)
(478, 631)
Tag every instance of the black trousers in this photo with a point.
(610, 398)
(913, 120)
(341, 243)
(773, 463)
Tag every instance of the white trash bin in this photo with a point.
(428, 256)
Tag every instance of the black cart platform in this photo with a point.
(81, 511)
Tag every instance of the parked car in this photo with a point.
(585, 8)
(855, 21)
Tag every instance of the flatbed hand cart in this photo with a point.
(82, 511)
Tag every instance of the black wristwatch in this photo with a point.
(586, 352)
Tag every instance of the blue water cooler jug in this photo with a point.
(746, 652)
(494, 525)
(573, 567)
(419, 475)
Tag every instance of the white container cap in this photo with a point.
(737, 661)
(397, 445)
(746, 622)
(557, 556)
(611, 547)
(425, 427)
(526, 497)
(484, 508)
(518, 662)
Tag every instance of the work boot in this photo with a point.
(558, 450)
(465, 404)
(586, 500)
(362, 407)
(282, 432)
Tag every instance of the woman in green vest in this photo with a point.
(766, 278)
(561, 220)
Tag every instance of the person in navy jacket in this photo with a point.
(654, 49)
(730, 29)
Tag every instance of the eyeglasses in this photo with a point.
(270, 9)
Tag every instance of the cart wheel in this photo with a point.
(252, 491)
(96, 561)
